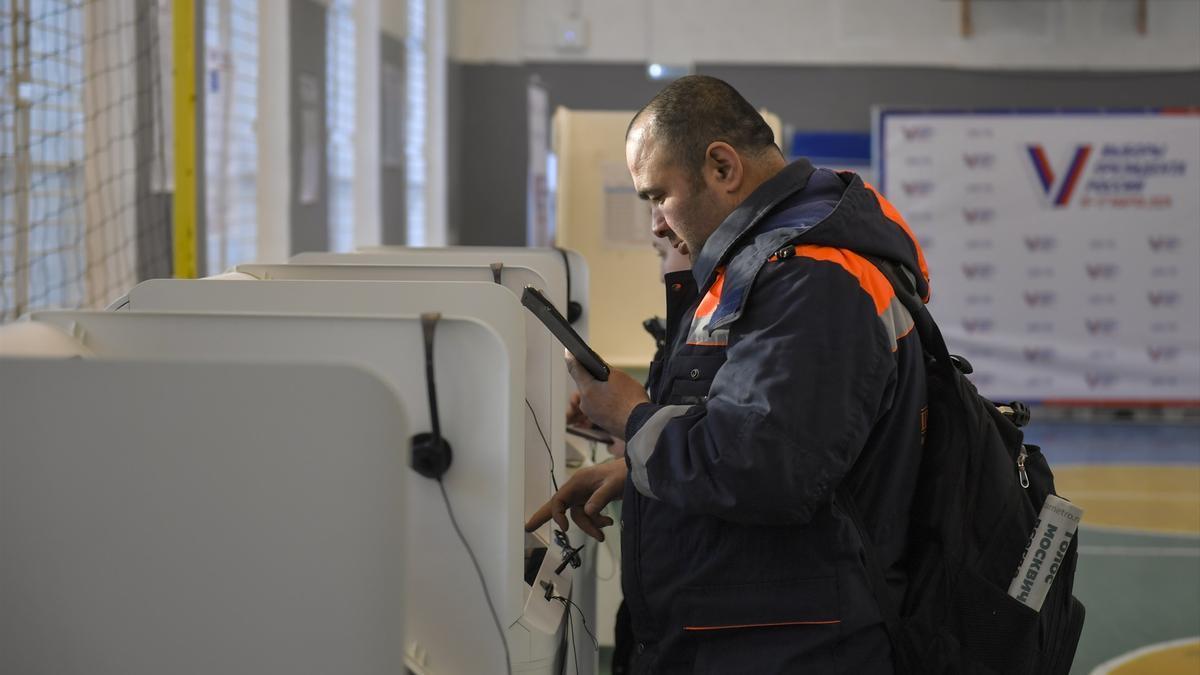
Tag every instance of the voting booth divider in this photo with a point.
(501, 387)
(544, 375)
(547, 380)
(151, 528)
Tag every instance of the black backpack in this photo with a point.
(975, 508)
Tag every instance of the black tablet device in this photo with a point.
(593, 434)
(537, 303)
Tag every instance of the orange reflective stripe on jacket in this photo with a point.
(894, 216)
(897, 322)
(704, 312)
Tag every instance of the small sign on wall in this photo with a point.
(391, 154)
(310, 138)
(626, 217)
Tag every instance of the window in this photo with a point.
(339, 115)
(41, 156)
(415, 171)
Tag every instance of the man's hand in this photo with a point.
(607, 404)
(586, 494)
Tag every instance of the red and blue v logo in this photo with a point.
(1058, 190)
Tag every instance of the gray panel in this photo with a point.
(493, 155)
(488, 111)
(489, 126)
(392, 187)
(309, 221)
(152, 210)
(455, 123)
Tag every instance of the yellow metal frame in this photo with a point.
(186, 206)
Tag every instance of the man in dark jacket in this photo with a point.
(675, 270)
(793, 379)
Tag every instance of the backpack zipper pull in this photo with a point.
(1021, 468)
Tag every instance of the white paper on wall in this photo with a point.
(392, 150)
(310, 138)
(626, 217)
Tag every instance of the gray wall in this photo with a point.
(488, 126)
(489, 136)
(309, 222)
(487, 154)
(840, 99)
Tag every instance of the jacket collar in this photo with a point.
(790, 180)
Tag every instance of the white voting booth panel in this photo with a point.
(522, 267)
(480, 376)
(380, 299)
(548, 262)
(513, 278)
(30, 338)
(546, 378)
(166, 517)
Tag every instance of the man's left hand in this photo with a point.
(609, 403)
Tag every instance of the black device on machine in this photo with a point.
(537, 303)
(591, 433)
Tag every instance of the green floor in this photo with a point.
(1138, 590)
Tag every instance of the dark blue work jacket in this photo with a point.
(793, 369)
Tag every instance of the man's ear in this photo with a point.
(723, 166)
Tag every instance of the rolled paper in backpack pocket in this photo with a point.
(1045, 552)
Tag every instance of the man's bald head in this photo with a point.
(694, 111)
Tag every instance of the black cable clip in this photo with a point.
(570, 555)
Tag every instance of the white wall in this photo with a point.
(1009, 34)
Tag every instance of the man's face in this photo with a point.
(681, 211)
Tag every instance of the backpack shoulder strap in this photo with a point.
(934, 345)
(931, 336)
